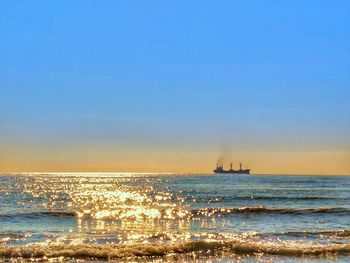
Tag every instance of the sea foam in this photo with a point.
(115, 251)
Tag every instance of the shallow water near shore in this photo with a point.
(155, 218)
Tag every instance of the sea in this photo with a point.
(114, 217)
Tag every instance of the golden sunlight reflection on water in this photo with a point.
(111, 206)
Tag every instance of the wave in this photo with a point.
(209, 212)
(219, 199)
(13, 236)
(59, 213)
(39, 214)
(287, 197)
(325, 233)
(115, 251)
(267, 210)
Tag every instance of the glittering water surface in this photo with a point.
(139, 217)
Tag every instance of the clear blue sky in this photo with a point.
(184, 73)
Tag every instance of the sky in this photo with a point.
(171, 86)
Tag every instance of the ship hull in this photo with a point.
(232, 172)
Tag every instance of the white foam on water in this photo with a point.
(209, 247)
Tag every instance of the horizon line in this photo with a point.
(163, 173)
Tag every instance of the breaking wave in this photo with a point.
(115, 251)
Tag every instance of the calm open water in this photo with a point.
(136, 217)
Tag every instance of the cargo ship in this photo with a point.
(220, 169)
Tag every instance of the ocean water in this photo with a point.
(156, 218)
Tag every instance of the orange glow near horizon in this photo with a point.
(172, 160)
